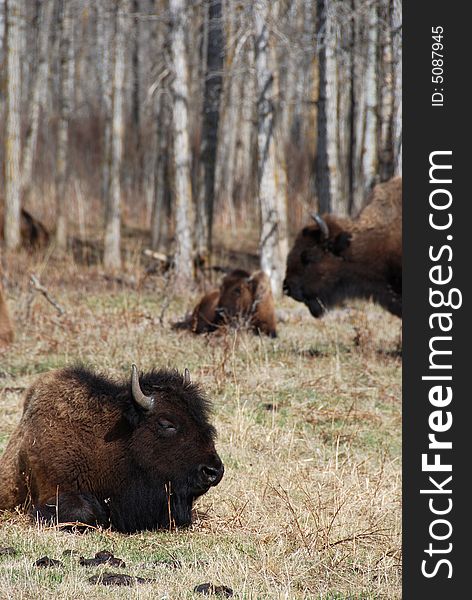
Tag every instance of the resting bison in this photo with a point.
(34, 234)
(337, 258)
(93, 451)
(241, 297)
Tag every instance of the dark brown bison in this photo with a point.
(34, 235)
(241, 298)
(134, 455)
(335, 258)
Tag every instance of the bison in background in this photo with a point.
(336, 259)
(242, 298)
(134, 455)
(34, 235)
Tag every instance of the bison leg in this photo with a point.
(72, 509)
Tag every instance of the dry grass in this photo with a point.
(309, 430)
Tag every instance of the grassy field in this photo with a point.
(309, 430)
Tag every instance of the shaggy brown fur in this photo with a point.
(360, 258)
(241, 298)
(85, 447)
(34, 235)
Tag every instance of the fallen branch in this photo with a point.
(35, 283)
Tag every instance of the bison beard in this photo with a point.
(140, 506)
(89, 451)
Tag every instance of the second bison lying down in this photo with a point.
(241, 298)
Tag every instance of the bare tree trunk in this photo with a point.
(396, 26)
(369, 162)
(340, 199)
(326, 156)
(159, 217)
(244, 172)
(66, 87)
(162, 139)
(112, 255)
(136, 100)
(37, 94)
(229, 115)
(12, 129)
(290, 88)
(103, 43)
(182, 158)
(385, 94)
(211, 115)
(272, 195)
(359, 65)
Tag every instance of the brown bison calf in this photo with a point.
(134, 455)
(241, 298)
(335, 258)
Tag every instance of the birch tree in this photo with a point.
(12, 127)
(159, 219)
(37, 96)
(112, 254)
(230, 104)
(66, 51)
(182, 159)
(273, 243)
(369, 150)
(327, 151)
(396, 25)
(162, 133)
(104, 39)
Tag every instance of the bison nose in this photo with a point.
(212, 475)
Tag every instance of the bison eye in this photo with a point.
(167, 426)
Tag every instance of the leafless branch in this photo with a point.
(36, 285)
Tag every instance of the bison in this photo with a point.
(132, 455)
(335, 258)
(241, 297)
(34, 235)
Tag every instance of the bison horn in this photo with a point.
(146, 402)
(322, 225)
(187, 377)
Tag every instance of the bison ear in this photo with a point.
(340, 243)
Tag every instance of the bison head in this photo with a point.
(172, 445)
(236, 295)
(315, 264)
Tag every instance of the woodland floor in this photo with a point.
(309, 429)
